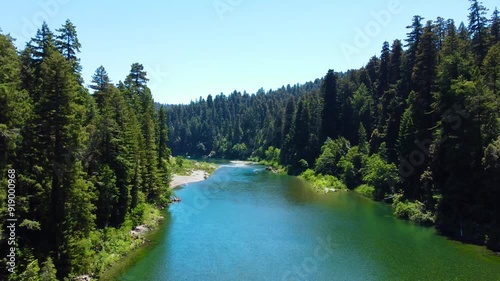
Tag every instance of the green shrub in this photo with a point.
(137, 214)
(381, 175)
(350, 166)
(308, 175)
(331, 152)
(240, 151)
(272, 156)
(31, 273)
(365, 190)
(179, 161)
(112, 244)
(320, 182)
(414, 211)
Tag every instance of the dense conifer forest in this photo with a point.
(86, 167)
(418, 126)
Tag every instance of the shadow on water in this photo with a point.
(155, 238)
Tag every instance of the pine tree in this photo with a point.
(42, 45)
(68, 44)
(15, 111)
(492, 68)
(495, 28)
(31, 272)
(38, 49)
(330, 114)
(362, 103)
(478, 29)
(406, 145)
(15, 104)
(101, 83)
(163, 152)
(139, 97)
(462, 133)
(424, 71)
(137, 76)
(391, 107)
(491, 164)
(117, 156)
(396, 59)
(440, 31)
(417, 119)
(383, 71)
(61, 197)
(413, 40)
(301, 139)
(287, 148)
(48, 271)
(362, 140)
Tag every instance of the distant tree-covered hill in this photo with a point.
(418, 124)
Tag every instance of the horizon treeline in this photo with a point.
(85, 164)
(418, 124)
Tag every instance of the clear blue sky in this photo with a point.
(196, 48)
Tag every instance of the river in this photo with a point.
(247, 224)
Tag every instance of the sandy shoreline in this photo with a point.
(196, 176)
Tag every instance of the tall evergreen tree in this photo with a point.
(15, 104)
(413, 40)
(492, 68)
(163, 151)
(15, 111)
(396, 61)
(139, 97)
(495, 28)
(478, 29)
(42, 45)
(68, 44)
(55, 141)
(384, 71)
(440, 31)
(101, 83)
(303, 157)
(331, 107)
(37, 49)
(287, 148)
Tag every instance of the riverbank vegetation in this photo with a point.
(90, 164)
(184, 167)
(365, 190)
(419, 123)
(322, 182)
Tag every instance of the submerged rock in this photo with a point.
(272, 169)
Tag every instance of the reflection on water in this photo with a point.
(247, 224)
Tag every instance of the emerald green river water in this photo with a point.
(247, 224)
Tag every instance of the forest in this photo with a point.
(417, 126)
(87, 165)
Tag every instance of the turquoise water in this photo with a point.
(246, 224)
